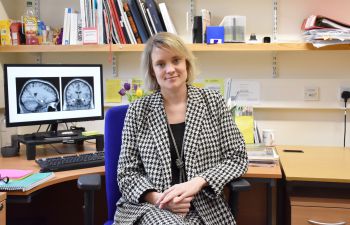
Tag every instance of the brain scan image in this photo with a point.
(78, 95)
(38, 96)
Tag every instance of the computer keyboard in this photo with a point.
(71, 162)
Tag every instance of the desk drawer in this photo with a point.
(322, 210)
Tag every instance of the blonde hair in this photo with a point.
(168, 41)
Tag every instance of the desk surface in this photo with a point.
(21, 162)
(2, 196)
(46, 151)
(320, 164)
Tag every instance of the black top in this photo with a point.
(178, 130)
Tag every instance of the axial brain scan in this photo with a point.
(78, 95)
(38, 96)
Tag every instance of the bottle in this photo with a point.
(30, 23)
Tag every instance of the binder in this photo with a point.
(322, 22)
(26, 183)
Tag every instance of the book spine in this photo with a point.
(138, 20)
(117, 23)
(132, 23)
(155, 15)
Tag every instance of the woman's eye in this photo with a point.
(160, 64)
(176, 61)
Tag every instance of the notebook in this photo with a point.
(27, 183)
(14, 174)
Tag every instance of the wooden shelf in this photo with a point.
(240, 47)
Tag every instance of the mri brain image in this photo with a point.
(38, 96)
(78, 95)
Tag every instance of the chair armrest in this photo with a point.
(239, 184)
(89, 182)
(234, 187)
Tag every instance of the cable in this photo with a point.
(345, 95)
(345, 125)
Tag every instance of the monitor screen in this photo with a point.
(52, 93)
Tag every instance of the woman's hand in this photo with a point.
(179, 192)
(181, 207)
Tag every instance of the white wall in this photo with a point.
(325, 69)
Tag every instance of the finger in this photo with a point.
(185, 200)
(170, 196)
(182, 211)
(180, 206)
(162, 196)
(183, 197)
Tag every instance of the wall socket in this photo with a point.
(311, 93)
(341, 89)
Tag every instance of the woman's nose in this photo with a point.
(170, 68)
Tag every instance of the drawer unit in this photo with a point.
(2, 208)
(320, 211)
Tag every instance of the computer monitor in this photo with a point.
(52, 93)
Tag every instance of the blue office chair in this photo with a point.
(114, 122)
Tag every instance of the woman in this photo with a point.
(180, 145)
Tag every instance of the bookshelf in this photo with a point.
(239, 47)
(299, 64)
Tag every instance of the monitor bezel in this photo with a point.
(51, 121)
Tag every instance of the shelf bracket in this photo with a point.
(38, 58)
(114, 66)
(275, 20)
(274, 65)
(190, 15)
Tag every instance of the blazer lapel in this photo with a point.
(158, 127)
(194, 120)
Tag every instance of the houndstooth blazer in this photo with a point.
(213, 149)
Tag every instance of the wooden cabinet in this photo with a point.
(319, 211)
(2, 208)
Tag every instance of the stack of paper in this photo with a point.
(322, 31)
(259, 155)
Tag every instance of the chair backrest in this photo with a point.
(114, 122)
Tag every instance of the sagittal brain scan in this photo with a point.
(78, 95)
(38, 96)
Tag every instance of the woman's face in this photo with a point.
(169, 69)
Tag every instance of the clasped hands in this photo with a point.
(178, 197)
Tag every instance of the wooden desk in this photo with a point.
(2, 208)
(267, 175)
(21, 162)
(317, 183)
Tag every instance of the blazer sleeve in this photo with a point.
(132, 179)
(234, 160)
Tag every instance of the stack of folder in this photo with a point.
(322, 31)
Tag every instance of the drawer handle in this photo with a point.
(320, 223)
(1, 206)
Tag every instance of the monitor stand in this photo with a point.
(32, 140)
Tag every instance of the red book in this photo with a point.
(116, 19)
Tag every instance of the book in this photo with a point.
(14, 174)
(322, 22)
(138, 20)
(154, 15)
(66, 26)
(166, 17)
(132, 23)
(26, 183)
(146, 21)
